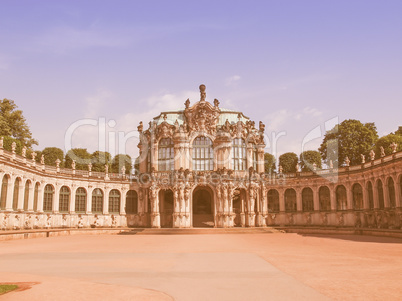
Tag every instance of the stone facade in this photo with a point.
(200, 167)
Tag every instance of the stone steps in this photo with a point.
(192, 231)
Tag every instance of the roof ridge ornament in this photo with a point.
(203, 93)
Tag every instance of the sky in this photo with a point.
(78, 69)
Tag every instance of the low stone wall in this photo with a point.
(25, 234)
(27, 221)
(377, 219)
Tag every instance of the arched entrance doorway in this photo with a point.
(203, 207)
(166, 208)
(239, 199)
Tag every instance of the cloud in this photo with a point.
(95, 102)
(277, 120)
(121, 134)
(62, 40)
(232, 80)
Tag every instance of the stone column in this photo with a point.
(260, 158)
(375, 194)
(178, 155)
(154, 155)
(123, 201)
(386, 192)
(281, 200)
(188, 157)
(56, 198)
(249, 156)
(251, 203)
(31, 196)
(242, 212)
(398, 192)
(88, 209)
(299, 204)
(316, 198)
(332, 194)
(21, 193)
(155, 215)
(41, 194)
(106, 201)
(349, 196)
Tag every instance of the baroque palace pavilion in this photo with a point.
(202, 166)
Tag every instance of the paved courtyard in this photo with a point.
(275, 266)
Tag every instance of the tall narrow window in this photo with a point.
(26, 195)
(239, 154)
(131, 201)
(357, 196)
(114, 201)
(391, 193)
(80, 200)
(273, 201)
(97, 201)
(341, 199)
(4, 187)
(16, 193)
(290, 200)
(64, 199)
(48, 198)
(165, 154)
(324, 198)
(307, 199)
(203, 154)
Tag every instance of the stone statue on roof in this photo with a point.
(203, 93)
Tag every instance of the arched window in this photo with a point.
(114, 201)
(357, 196)
(341, 198)
(307, 199)
(203, 154)
(80, 200)
(131, 202)
(16, 193)
(26, 195)
(4, 188)
(36, 197)
(391, 193)
(48, 198)
(97, 201)
(64, 199)
(273, 201)
(380, 192)
(290, 200)
(370, 195)
(165, 154)
(239, 155)
(324, 198)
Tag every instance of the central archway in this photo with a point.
(203, 207)
(166, 208)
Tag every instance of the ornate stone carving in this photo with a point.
(165, 130)
(393, 146)
(202, 116)
(372, 155)
(382, 154)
